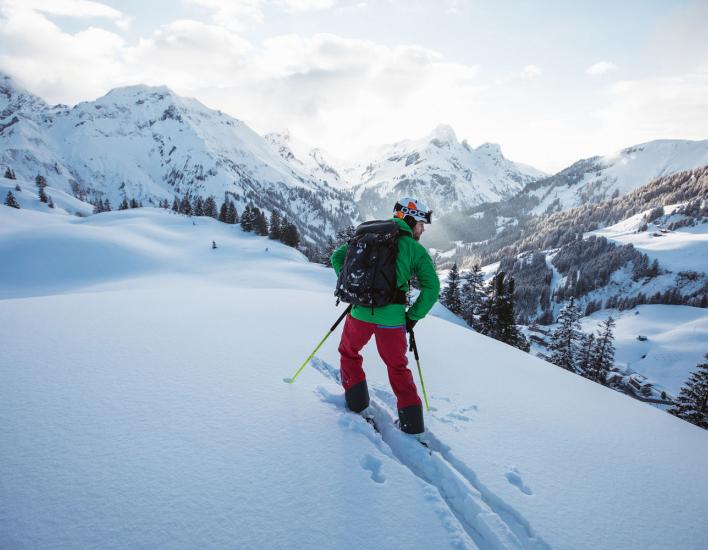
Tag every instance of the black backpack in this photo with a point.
(368, 275)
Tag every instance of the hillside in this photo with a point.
(145, 406)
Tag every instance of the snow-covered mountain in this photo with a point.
(444, 173)
(314, 161)
(598, 178)
(143, 405)
(149, 144)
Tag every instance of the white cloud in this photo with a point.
(234, 14)
(307, 5)
(601, 67)
(237, 14)
(530, 71)
(68, 8)
(651, 108)
(60, 67)
(344, 94)
(188, 55)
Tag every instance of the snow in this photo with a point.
(681, 250)
(28, 197)
(443, 172)
(622, 172)
(145, 407)
(676, 341)
(150, 144)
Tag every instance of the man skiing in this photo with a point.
(389, 323)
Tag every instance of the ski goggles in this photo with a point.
(426, 217)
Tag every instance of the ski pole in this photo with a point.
(331, 330)
(414, 347)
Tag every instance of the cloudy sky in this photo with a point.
(550, 81)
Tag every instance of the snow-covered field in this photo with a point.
(684, 249)
(676, 341)
(142, 404)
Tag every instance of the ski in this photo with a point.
(370, 420)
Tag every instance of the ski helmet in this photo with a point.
(412, 211)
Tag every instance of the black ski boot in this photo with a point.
(411, 419)
(357, 397)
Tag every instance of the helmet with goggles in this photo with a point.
(412, 211)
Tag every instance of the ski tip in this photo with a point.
(288, 380)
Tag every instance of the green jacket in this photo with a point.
(412, 259)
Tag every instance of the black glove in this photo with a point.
(410, 323)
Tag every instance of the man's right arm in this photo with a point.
(337, 258)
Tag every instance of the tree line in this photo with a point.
(253, 219)
(489, 309)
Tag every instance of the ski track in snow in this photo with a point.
(490, 523)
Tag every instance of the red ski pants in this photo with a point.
(391, 344)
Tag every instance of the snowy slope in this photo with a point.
(682, 249)
(28, 197)
(675, 342)
(599, 178)
(146, 407)
(438, 169)
(149, 144)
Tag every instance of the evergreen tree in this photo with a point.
(692, 401)
(564, 340)
(582, 363)
(224, 212)
(497, 313)
(43, 195)
(40, 180)
(291, 236)
(260, 224)
(175, 205)
(11, 201)
(603, 354)
(185, 206)
(10, 174)
(199, 207)
(231, 214)
(247, 218)
(210, 208)
(124, 205)
(274, 226)
(98, 207)
(472, 295)
(134, 203)
(107, 206)
(450, 297)
(50, 204)
(488, 321)
(17, 187)
(505, 310)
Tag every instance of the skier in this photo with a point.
(389, 323)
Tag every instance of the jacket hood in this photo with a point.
(403, 225)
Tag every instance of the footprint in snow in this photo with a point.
(514, 478)
(373, 465)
